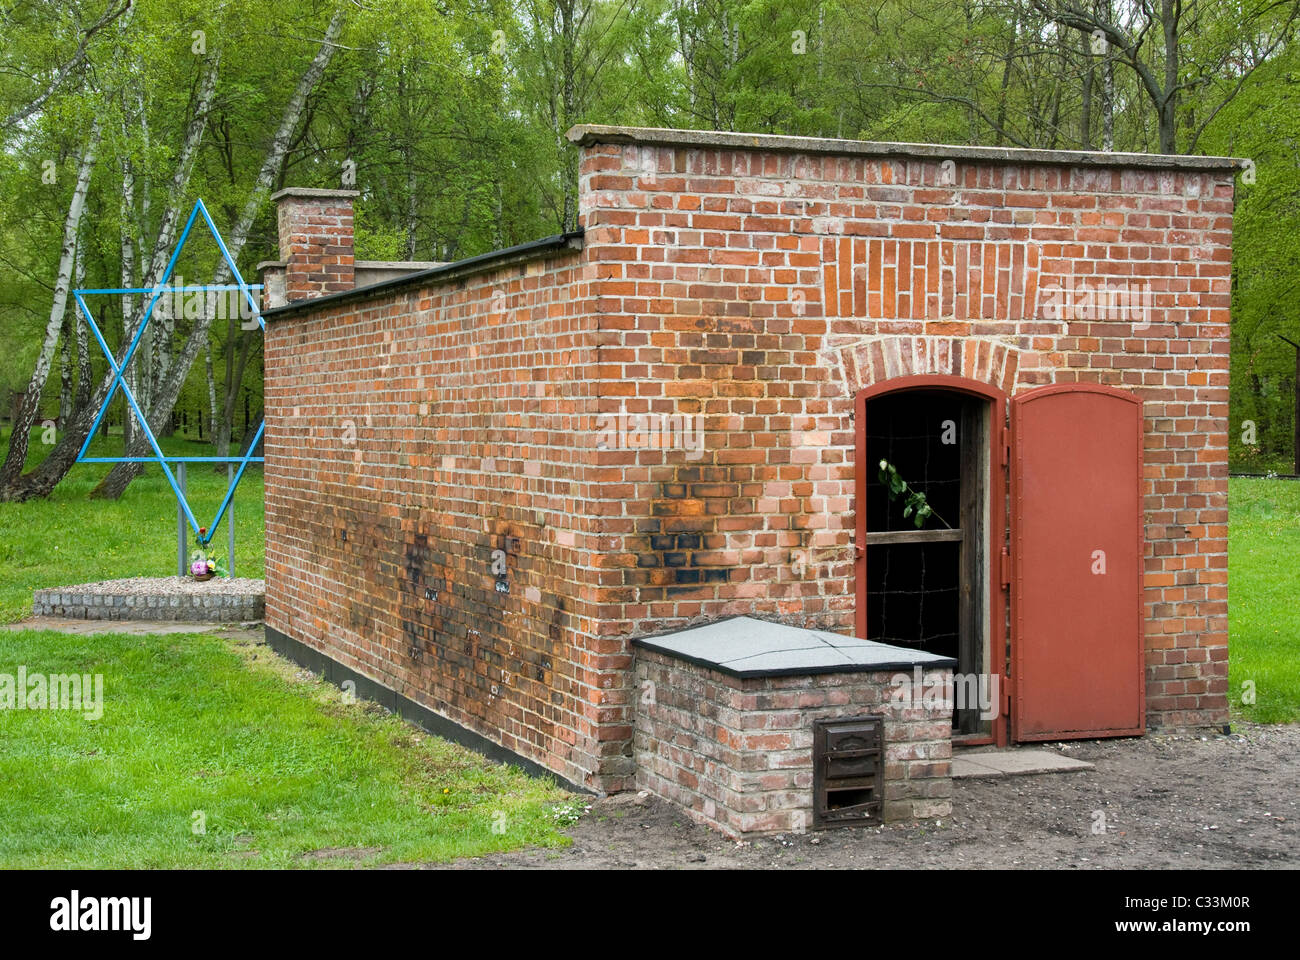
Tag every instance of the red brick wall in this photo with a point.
(409, 436)
(476, 409)
(764, 289)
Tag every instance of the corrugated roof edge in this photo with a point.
(448, 271)
(587, 134)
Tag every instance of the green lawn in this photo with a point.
(276, 765)
(1264, 598)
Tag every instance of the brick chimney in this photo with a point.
(315, 229)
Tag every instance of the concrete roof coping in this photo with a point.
(401, 264)
(315, 193)
(587, 134)
(748, 647)
(371, 264)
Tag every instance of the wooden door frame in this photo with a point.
(995, 621)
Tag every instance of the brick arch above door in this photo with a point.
(871, 360)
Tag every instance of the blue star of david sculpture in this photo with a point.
(204, 535)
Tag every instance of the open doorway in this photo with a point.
(926, 532)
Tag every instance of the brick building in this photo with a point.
(486, 479)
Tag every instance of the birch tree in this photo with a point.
(15, 486)
(60, 73)
(161, 226)
(26, 414)
(566, 46)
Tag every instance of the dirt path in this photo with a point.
(1168, 801)
(138, 628)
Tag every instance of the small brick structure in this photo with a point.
(316, 234)
(219, 600)
(465, 505)
(731, 743)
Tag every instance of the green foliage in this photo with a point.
(1264, 124)
(453, 117)
(915, 505)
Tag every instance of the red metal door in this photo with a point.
(1076, 551)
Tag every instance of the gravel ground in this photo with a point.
(1168, 801)
(168, 586)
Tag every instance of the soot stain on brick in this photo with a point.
(350, 541)
(529, 640)
(483, 652)
(677, 553)
(421, 592)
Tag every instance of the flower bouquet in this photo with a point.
(203, 565)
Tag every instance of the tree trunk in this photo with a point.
(1108, 89)
(412, 209)
(408, 161)
(224, 425)
(84, 385)
(234, 385)
(1169, 13)
(1000, 126)
(165, 396)
(65, 368)
(138, 384)
(1085, 107)
(212, 396)
(250, 431)
(12, 469)
(162, 248)
(568, 156)
(149, 363)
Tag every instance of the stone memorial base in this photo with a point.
(220, 600)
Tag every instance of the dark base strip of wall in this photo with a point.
(436, 724)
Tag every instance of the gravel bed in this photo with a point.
(167, 586)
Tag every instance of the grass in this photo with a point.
(281, 771)
(69, 539)
(1264, 598)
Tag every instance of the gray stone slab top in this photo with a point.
(589, 133)
(748, 647)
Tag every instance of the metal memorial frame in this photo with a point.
(118, 369)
